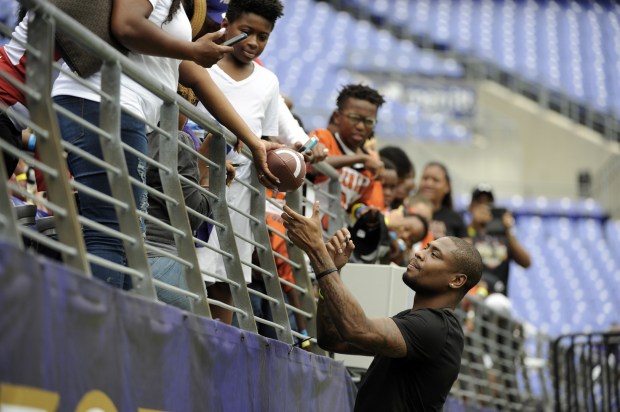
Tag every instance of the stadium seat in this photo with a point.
(311, 70)
(572, 48)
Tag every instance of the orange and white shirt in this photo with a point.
(356, 182)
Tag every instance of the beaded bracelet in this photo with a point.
(325, 273)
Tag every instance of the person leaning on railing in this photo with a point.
(159, 36)
(163, 267)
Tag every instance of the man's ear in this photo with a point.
(458, 281)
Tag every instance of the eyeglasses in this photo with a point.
(354, 120)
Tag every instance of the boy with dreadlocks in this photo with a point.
(354, 122)
(351, 125)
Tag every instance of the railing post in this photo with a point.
(265, 256)
(302, 278)
(168, 155)
(113, 153)
(39, 78)
(335, 223)
(226, 237)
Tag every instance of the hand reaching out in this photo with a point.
(306, 233)
(207, 52)
(315, 155)
(340, 247)
(259, 154)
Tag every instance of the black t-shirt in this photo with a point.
(446, 222)
(420, 381)
(496, 258)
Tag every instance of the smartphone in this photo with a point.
(310, 143)
(496, 225)
(498, 212)
(235, 40)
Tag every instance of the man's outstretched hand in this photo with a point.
(340, 247)
(306, 233)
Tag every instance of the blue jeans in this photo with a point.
(133, 133)
(170, 271)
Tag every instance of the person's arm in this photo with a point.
(378, 336)
(372, 164)
(517, 251)
(328, 336)
(292, 134)
(198, 79)
(130, 25)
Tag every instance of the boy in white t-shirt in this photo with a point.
(254, 92)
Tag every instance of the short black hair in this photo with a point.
(360, 92)
(388, 164)
(468, 262)
(404, 166)
(270, 10)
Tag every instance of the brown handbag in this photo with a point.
(95, 15)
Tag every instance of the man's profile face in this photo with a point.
(431, 269)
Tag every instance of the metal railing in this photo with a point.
(586, 372)
(69, 243)
(500, 340)
(503, 366)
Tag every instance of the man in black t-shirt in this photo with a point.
(418, 351)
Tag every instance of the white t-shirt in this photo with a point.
(134, 97)
(256, 99)
(289, 131)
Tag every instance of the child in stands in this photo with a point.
(255, 93)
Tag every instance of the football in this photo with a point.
(288, 166)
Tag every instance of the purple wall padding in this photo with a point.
(63, 333)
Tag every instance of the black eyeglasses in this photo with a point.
(354, 120)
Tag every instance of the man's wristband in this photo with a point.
(325, 273)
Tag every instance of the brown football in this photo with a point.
(288, 166)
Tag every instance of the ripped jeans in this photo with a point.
(133, 133)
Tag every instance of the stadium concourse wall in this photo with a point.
(524, 149)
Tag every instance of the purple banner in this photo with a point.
(69, 343)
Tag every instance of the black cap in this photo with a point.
(371, 238)
(483, 189)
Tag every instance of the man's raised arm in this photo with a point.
(350, 330)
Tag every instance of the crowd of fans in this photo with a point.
(391, 215)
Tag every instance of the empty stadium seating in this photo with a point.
(571, 47)
(312, 69)
(8, 15)
(573, 283)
